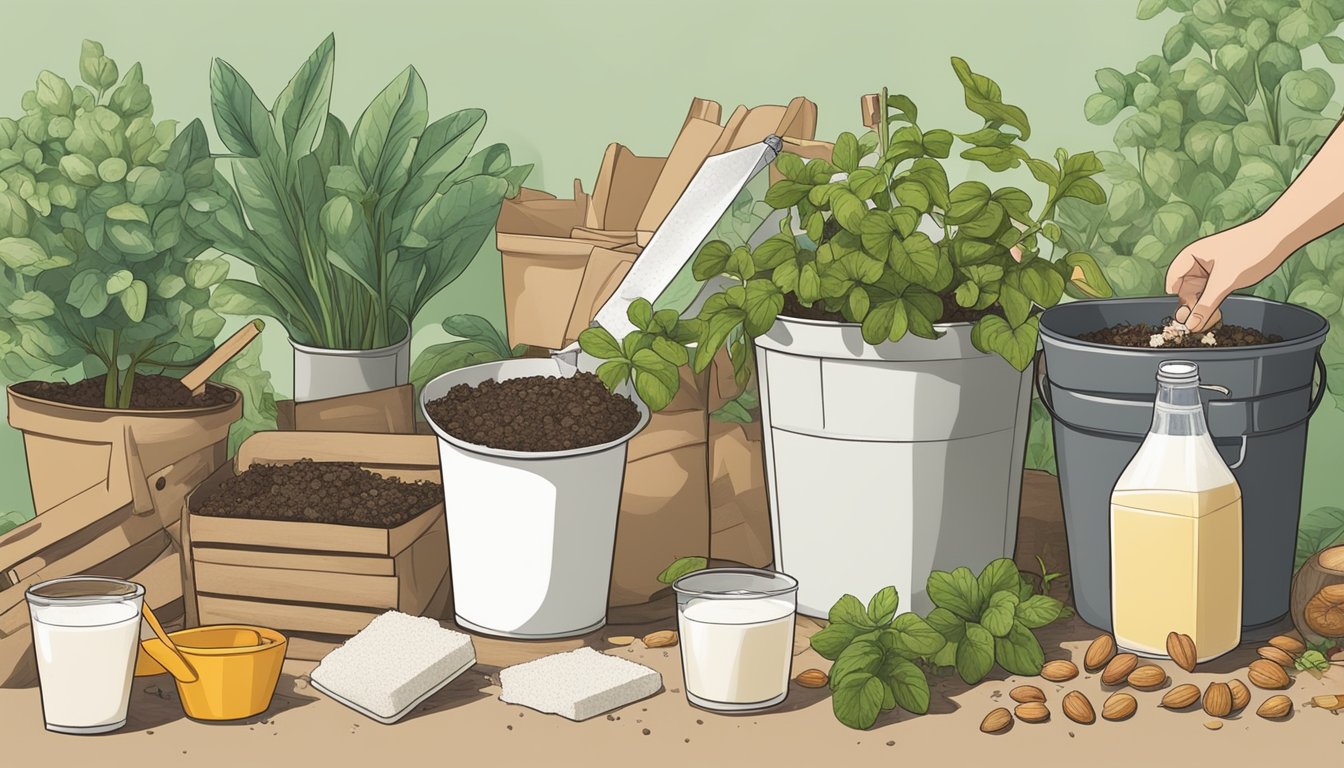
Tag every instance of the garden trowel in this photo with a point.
(708, 196)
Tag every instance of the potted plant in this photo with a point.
(350, 233)
(1209, 132)
(105, 281)
(894, 336)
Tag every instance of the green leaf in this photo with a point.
(1087, 276)
(975, 654)
(656, 380)
(938, 142)
(947, 624)
(835, 638)
(640, 314)
(999, 575)
(1275, 61)
(95, 69)
(916, 259)
(984, 98)
(1319, 529)
(862, 656)
(764, 302)
(999, 614)
(1311, 89)
(1150, 8)
(849, 210)
(858, 700)
(301, 109)
(241, 121)
(1333, 48)
(439, 359)
(350, 245)
(1019, 652)
(132, 238)
(599, 343)
(908, 685)
(1301, 28)
(957, 591)
(121, 280)
(1316, 296)
(966, 201)
(882, 607)
(88, 293)
(1112, 83)
(917, 635)
(786, 194)
(1312, 661)
(127, 212)
(383, 138)
(845, 155)
(1038, 610)
(887, 321)
(849, 610)
(134, 299)
(614, 373)
(31, 305)
(1177, 44)
(712, 260)
(1016, 345)
(682, 566)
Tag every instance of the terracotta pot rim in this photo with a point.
(143, 412)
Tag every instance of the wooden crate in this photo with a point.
(318, 578)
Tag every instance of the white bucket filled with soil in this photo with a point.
(886, 462)
(531, 509)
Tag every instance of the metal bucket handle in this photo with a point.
(1043, 393)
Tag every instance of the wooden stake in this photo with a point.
(195, 380)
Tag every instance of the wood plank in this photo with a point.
(421, 568)
(340, 589)
(359, 447)
(282, 616)
(54, 526)
(296, 560)
(279, 534)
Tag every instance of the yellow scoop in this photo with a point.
(222, 672)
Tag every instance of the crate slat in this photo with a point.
(340, 589)
(282, 616)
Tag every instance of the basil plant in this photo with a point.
(350, 232)
(1209, 133)
(101, 266)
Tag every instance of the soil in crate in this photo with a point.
(321, 492)
(535, 413)
(151, 392)
(1139, 335)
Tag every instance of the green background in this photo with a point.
(562, 80)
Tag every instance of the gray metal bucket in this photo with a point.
(1101, 400)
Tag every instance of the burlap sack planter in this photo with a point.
(108, 487)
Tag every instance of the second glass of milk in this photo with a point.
(736, 628)
(86, 633)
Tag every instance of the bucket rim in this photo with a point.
(277, 640)
(140, 412)
(500, 453)
(836, 324)
(390, 349)
(1062, 339)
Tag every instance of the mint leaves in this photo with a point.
(875, 651)
(648, 357)
(979, 621)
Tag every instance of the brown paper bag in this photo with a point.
(624, 183)
(739, 505)
(664, 500)
(384, 411)
(606, 268)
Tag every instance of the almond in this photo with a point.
(663, 638)
(812, 678)
(1181, 649)
(997, 720)
(1289, 645)
(1266, 674)
(1058, 671)
(1119, 668)
(1241, 695)
(621, 639)
(1025, 694)
(1149, 677)
(1275, 707)
(1276, 655)
(1213, 725)
(1328, 701)
(1078, 709)
(1181, 696)
(1099, 653)
(1032, 712)
(1218, 700)
(1120, 706)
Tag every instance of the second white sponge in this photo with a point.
(579, 684)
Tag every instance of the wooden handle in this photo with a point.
(195, 380)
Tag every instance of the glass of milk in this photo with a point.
(86, 633)
(736, 627)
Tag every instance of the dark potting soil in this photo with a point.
(1137, 335)
(535, 413)
(336, 492)
(151, 392)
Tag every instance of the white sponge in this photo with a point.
(393, 664)
(578, 684)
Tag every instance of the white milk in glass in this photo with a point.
(86, 655)
(736, 628)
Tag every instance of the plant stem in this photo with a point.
(128, 385)
(111, 391)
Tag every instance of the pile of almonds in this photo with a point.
(1219, 699)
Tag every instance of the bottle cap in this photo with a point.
(1177, 372)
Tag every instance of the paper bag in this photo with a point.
(739, 505)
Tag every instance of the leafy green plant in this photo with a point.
(1046, 576)
(876, 651)
(246, 374)
(101, 268)
(864, 254)
(1208, 134)
(350, 232)
(478, 341)
(1318, 529)
(648, 357)
(1040, 439)
(682, 566)
(988, 619)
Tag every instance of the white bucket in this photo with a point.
(885, 463)
(320, 373)
(530, 534)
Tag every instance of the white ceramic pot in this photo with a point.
(530, 534)
(885, 463)
(320, 373)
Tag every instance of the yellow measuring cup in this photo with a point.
(222, 672)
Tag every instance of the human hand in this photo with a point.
(1210, 269)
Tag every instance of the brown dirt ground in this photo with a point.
(467, 724)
